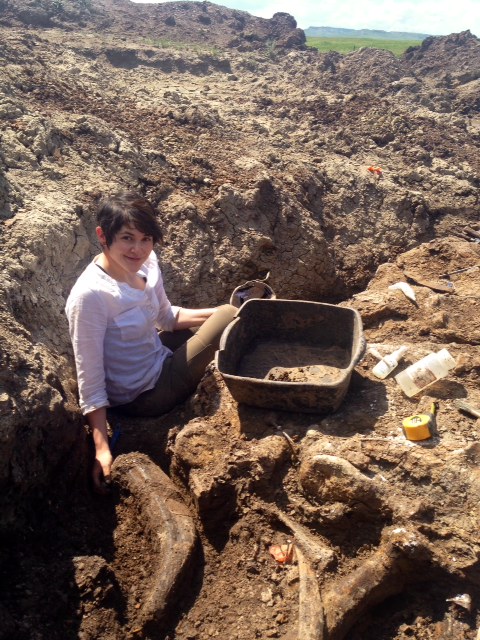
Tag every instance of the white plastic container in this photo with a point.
(388, 363)
(425, 372)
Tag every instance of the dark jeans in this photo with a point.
(193, 350)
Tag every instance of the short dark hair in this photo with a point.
(131, 210)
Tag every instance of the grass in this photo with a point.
(163, 43)
(347, 45)
(342, 45)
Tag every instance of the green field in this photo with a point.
(347, 45)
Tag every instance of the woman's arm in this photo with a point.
(102, 467)
(87, 318)
(192, 317)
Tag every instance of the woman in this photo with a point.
(114, 311)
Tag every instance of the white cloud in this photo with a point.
(436, 17)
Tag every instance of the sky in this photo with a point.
(433, 17)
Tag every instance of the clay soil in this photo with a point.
(257, 151)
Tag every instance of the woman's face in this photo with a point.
(129, 249)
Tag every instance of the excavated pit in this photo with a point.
(384, 530)
(258, 159)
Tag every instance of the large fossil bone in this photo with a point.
(329, 612)
(333, 479)
(401, 554)
(311, 617)
(170, 529)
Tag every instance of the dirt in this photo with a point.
(256, 150)
(198, 23)
(314, 374)
(294, 362)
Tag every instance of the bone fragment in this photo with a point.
(405, 288)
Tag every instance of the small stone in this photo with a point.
(439, 320)
(266, 595)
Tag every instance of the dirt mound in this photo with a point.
(368, 69)
(452, 60)
(203, 23)
(325, 170)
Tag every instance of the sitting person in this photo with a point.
(114, 310)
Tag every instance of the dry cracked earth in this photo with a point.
(257, 152)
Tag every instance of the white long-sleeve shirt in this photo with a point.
(118, 353)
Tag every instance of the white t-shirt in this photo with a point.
(118, 353)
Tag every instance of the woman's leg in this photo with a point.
(174, 339)
(192, 358)
(182, 371)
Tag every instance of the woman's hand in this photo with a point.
(102, 471)
(102, 466)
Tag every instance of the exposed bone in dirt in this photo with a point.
(400, 556)
(333, 478)
(169, 530)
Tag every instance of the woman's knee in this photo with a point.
(222, 318)
(226, 312)
(228, 307)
